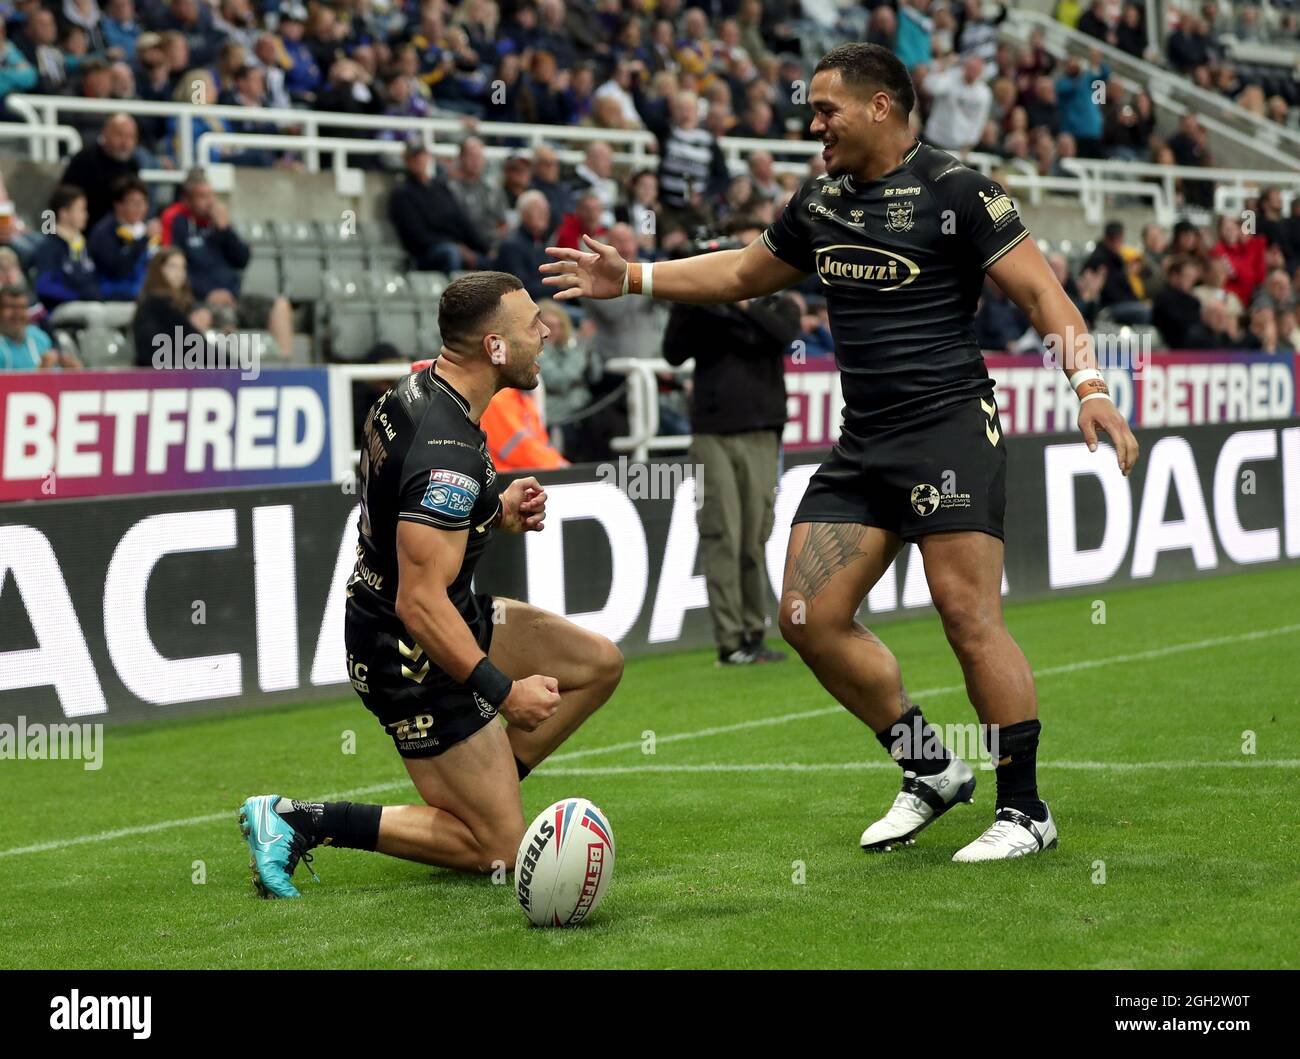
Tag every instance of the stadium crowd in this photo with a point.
(692, 76)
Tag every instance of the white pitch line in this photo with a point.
(866, 766)
(758, 722)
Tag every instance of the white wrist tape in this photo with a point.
(627, 271)
(648, 280)
(1084, 375)
(1093, 397)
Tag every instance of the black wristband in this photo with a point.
(489, 682)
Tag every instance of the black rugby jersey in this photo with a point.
(424, 460)
(901, 262)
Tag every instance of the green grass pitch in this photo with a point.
(1177, 849)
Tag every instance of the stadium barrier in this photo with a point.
(99, 433)
(1093, 183)
(125, 608)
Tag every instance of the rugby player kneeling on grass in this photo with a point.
(433, 661)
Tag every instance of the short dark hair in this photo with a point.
(126, 185)
(875, 67)
(64, 196)
(469, 302)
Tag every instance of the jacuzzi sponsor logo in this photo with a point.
(852, 265)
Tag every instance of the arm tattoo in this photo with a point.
(829, 548)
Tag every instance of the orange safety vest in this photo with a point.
(516, 437)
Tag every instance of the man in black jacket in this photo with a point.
(429, 222)
(98, 167)
(737, 416)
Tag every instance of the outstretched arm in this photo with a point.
(723, 276)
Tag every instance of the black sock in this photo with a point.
(1017, 769)
(348, 825)
(522, 769)
(914, 744)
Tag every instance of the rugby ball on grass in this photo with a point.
(565, 862)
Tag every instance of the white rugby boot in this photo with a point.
(1013, 834)
(920, 803)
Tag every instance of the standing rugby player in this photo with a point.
(900, 235)
(435, 662)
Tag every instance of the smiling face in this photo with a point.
(13, 315)
(846, 123)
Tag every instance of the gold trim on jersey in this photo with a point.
(1009, 245)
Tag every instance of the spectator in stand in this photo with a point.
(120, 29)
(1177, 312)
(960, 102)
(1095, 23)
(1131, 33)
(17, 74)
(1041, 110)
(760, 121)
(1276, 292)
(691, 164)
(123, 241)
(523, 251)
(596, 172)
(1189, 45)
(192, 87)
(1213, 291)
(167, 310)
(1155, 247)
(1118, 294)
(1190, 146)
(516, 178)
(481, 197)
(1263, 336)
(1078, 98)
(63, 268)
(1244, 255)
(268, 53)
(14, 235)
(586, 219)
(231, 58)
(154, 83)
(627, 327)
(199, 225)
(400, 101)
(642, 211)
(1127, 123)
(762, 175)
(431, 225)
(568, 371)
(999, 323)
(303, 77)
(193, 19)
(1187, 241)
(814, 325)
(39, 42)
(1280, 230)
(23, 345)
(547, 180)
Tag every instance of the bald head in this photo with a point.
(119, 137)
